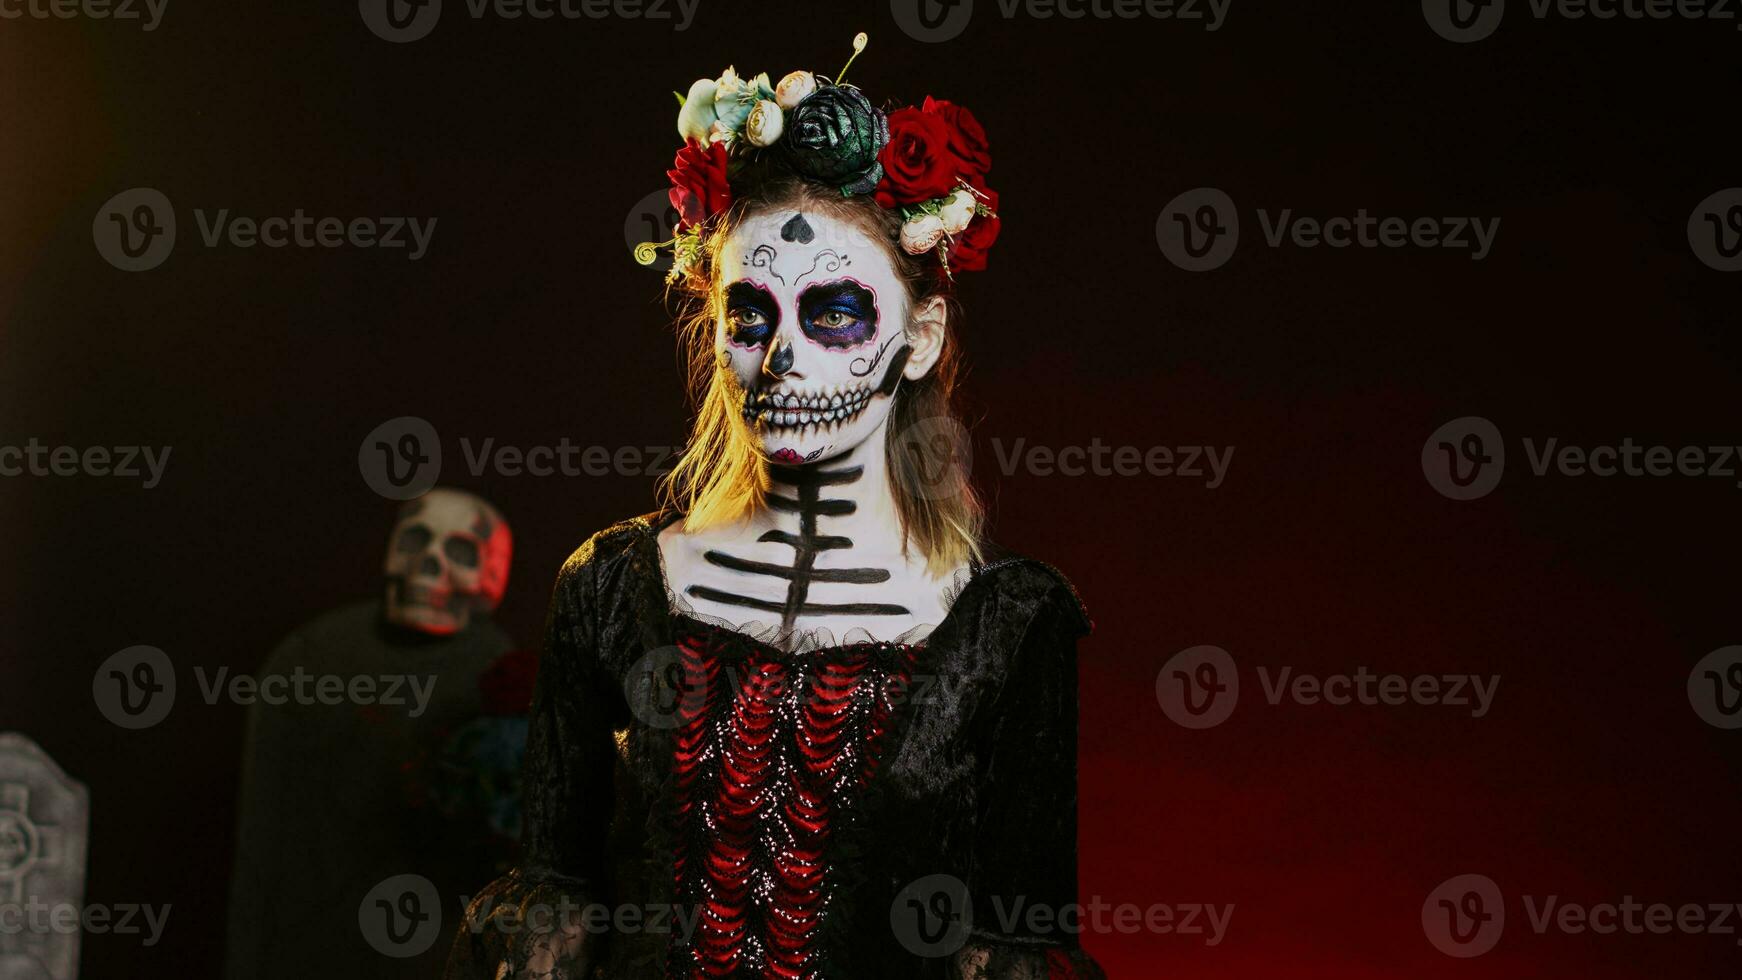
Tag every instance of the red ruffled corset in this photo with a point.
(771, 750)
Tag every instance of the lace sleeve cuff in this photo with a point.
(522, 928)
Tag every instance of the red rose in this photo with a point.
(917, 162)
(698, 183)
(968, 254)
(967, 139)
(506, 685)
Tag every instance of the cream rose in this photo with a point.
(958, 211)
(795, 88)
(921, 234)
(765, 124)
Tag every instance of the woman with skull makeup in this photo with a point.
(805, 722)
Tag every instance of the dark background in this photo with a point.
(1324, 551)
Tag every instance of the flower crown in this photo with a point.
(929, 163)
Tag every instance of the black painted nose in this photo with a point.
(779, 360)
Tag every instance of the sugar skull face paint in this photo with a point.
(811, 330)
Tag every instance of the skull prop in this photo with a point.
(448, 556)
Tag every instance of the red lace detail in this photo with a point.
(768, 749)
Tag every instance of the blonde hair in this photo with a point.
(717, 479)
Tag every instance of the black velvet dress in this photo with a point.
(701, 803)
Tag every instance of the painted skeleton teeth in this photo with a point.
(790, 409)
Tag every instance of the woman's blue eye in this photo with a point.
(838, 314)
(750, 315)
(836, 319)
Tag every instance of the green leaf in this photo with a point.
(680, 99)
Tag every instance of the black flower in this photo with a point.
(834, 137)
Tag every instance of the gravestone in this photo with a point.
(44, 823)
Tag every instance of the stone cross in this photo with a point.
(44, 822)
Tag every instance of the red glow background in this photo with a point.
(1324, 551)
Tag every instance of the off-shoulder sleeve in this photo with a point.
(1023, 875)
(567, 800)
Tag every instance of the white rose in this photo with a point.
(765, 124)
(958, 211)
(795, 88)
(696, 119)
(921, 234)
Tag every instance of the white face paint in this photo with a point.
(811, 328)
